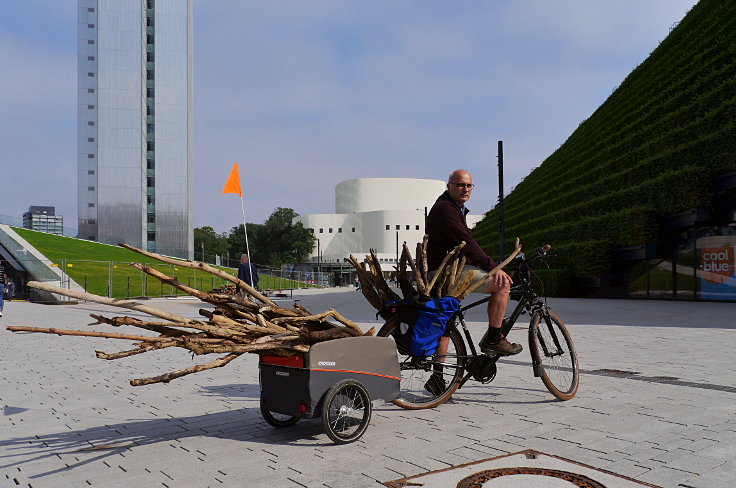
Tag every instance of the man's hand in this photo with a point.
(501, 279)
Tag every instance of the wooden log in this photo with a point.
(421, 285)
(495, 270)
(165, 378)
(207, 269)
(165, 328)
(115, 302)
(441, 270)
(106, 335)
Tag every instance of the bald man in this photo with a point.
(446, 228)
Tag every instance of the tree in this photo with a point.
(276, 241)
(214, 244)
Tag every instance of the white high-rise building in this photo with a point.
(135, 164)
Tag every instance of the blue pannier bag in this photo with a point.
(421, 323)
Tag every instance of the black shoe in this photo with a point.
(436, 385)
(502, 347)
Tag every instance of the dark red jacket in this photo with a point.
(446, 228)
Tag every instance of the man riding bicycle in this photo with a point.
(446, 228)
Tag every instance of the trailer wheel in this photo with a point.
(278, 419)
(346, 411)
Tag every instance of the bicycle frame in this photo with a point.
(528, 301)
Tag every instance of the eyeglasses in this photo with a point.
(469, 186)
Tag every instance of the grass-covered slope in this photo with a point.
(651, 149)
(97, 266)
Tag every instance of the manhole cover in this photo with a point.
(528, 468)
(477, 480)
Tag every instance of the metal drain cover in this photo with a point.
(520, 470)
(478, 480)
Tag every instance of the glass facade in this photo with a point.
(135, 119)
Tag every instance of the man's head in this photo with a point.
(460, 186)
(244, 258)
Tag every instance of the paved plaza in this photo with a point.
(656, 404)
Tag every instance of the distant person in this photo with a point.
(247, 272)
(3, 281)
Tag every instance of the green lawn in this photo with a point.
(104, 270)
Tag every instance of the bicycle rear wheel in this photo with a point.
(428, 382)
(551, 346)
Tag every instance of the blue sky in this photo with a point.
(304, 95)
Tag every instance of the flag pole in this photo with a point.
(247, 248)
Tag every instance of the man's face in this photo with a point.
(460, 187)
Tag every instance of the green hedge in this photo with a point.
(651, 149)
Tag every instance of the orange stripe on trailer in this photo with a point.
(357, 372)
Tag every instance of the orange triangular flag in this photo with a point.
(233, 182)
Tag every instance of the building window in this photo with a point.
(150, 92)
(90, 171)
(90, 107)
(149, 39)
(150, 146)
(151, 199)
(90, 26)
(398, 227)
(90, 9)
(90, 156)
(91, 75)
(408, 227)
(90, 139)
(90, 90)
(90, 58)
(339, 230)
(388, 227)
(417, 227)
(149, 74)
(330, 231)
(90, 188)
(150, 182)
(91, 123)
(91, 221)
(152, 236)
(149, 128)
(353, 229)
(90, 42)
(150, 164)
(90, 205)
(321, 230)
(151, 218)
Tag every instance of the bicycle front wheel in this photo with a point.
(553, 351)
(431, 381)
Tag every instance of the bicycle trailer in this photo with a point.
(336, 380)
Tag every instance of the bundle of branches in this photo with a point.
(450, 279)
(238, 324)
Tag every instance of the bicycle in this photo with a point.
(427, 381)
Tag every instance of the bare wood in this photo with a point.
(440, 271)
(137, 350)
(495, 270)
(346, 322)
(106, 335)
(165, 378)
(270, 325)
(162, 328)
(417, 274)
(462, 283)
(206, 268)
(129, 304)
(172, 281)
(425, 270)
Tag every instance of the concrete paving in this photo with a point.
(656, 404)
